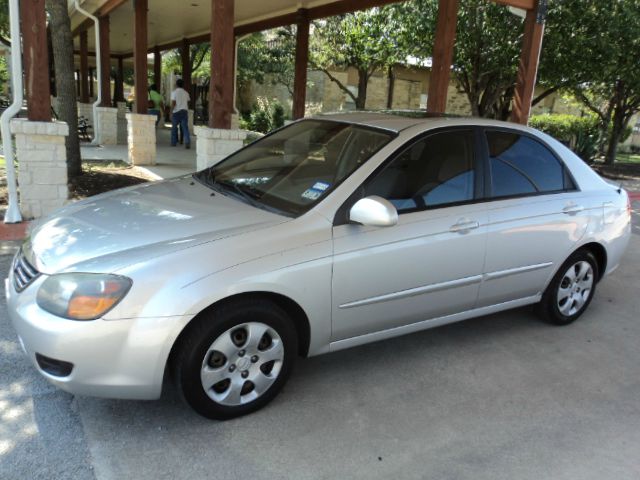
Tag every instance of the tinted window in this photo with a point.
(521, 165)
(435, 171)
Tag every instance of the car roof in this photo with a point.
(401, 120)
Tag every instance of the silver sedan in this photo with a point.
(329, 233)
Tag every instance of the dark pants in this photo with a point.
(181, 118)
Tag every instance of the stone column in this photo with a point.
(42, 166)
(191, 114)
(141, 138)
(122, 123)
(214, 144)
(108, 123)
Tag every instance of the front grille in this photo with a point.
(23, 272)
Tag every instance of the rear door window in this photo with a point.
(520, 165)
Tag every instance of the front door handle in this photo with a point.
(572, 209)
(464, 226)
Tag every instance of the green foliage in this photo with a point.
(582, 134)
(366, 40)
(258, 57)
(264, 117)
(199, 54)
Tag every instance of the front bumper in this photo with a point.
(111, 358)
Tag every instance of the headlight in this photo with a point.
(82, 296)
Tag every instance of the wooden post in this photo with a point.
(157, 67)
(119, 86)
(78, 87)
(302, 60)
(442, 55)
(529, 59)
(222, 59)
(185, 57)
(84, 67)
(140, 56)
(36, 60)
(105, 61)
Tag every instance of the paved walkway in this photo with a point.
(170, 161)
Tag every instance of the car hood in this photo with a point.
(110, 231)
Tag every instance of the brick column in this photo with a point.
(42, 166)
(108, 122)
(214, 144)
(141, 138)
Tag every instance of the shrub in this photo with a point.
(581, 134)
(265, 116)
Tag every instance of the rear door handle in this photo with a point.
(463, 226)
(572, 209)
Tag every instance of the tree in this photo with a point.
(267, 54)
(367, 40)
(62, 43)
(591, 49)
(486, 52)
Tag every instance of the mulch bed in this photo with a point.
(97, 177)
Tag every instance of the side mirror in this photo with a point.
(374, 211)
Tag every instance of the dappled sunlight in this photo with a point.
(15, 427)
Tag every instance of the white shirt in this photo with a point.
(181, 97)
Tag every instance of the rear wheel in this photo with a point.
(235, 359)
(571, 289)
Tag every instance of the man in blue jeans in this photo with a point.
(180, 114)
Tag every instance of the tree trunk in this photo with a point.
(392, 82)
(62, 45)
(363, 81)
(617, 130)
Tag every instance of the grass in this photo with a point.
(628, 158)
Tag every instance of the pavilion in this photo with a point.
(130, 30)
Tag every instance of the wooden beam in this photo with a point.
(442, 55)
(118, 91)
(140, 55)
(529, 59)
(91, 83)
(78, 83)
(185, 57)
(84, 67)
(102, 11)
(222, 59)
(157, 67)
(36, 59)
(302, 61)
(105, 61)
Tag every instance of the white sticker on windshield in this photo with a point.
(322, 186)
(312, 194)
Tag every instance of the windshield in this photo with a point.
(292, 169)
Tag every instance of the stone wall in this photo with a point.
(42, 166)
(410, 91)
(214, 144)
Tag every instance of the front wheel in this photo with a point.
(235, 359)
(571, 289)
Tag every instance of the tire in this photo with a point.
(571, 290)
(235, 359)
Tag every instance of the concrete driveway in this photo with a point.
(500, 397)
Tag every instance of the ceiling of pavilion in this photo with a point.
(172, 20)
